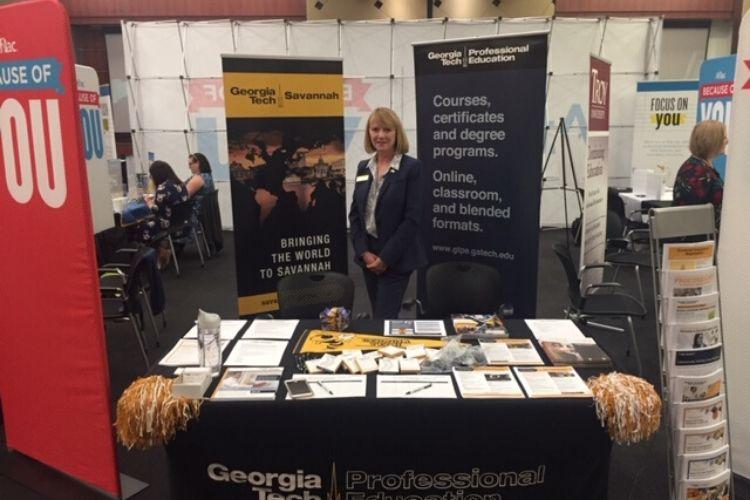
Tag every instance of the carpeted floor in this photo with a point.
(636, 472)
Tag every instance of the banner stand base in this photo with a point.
(131, 486)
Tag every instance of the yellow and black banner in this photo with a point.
(323, 341)
(285, 134)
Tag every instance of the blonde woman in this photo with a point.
(385, 214)
(697, 181)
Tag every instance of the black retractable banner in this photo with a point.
(285, 131)
(480, 125)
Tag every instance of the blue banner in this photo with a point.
(715, 97)
(31, 74)
(480, 118)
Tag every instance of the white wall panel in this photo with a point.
(627, 44)
(156, 49)
(314, 39)
(469, 29)
(524, 25)
(406, 33)
(371, 38)
(262, 38)
(204, 44)
(161, 105)
(571, 43)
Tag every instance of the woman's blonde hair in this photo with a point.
(707, 139)
(387, 118)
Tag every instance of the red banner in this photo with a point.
(54, 379)
(88, 98)
(599, 87)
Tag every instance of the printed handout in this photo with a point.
(698, 413)
(415, 386)
(256, 353)
(228, 330)
(701, 439)
(487, 382)
(715, 488)
(185, 353)
(686, 388)
(704, 465)
(279, 329)
(249, 383)
(414, 328)
(694, 335)
(552, 382)
(554, 329)
(684, 256)
(326, 386)
(689, 283)
(692, 309)
(510, 352)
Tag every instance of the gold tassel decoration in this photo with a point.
(148, 414)
(627, 406)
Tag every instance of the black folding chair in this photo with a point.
(306, 295)
(180, 224)
(140, 271)
(592, 303)
(120, 303)
(462, 288)
(209, 218)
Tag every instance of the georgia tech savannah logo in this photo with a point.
(277, 96)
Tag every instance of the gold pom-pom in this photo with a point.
(627, 406)
(148, 414)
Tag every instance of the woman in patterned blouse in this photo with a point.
(697, 181)
(170, 191)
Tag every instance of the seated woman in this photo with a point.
(200, 182)
(697, 181)
(169, 192)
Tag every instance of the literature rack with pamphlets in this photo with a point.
(688, 323)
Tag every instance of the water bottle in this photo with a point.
(209, 341)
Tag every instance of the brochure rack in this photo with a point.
(688, 326)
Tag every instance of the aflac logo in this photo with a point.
(7, 46)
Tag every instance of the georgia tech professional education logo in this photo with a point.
(361, 485)
(7, 46)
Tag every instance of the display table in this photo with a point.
(634, 203)
(388, 449)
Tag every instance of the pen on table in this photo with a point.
(427, 386)
(329, 391)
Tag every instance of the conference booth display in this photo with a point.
(312, 402)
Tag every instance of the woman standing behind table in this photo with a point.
(697, 181)
(385, 214)
(169, 192)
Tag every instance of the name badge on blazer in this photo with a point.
(362, 178)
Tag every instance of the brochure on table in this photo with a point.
(228, 330)
(415, 386)
(414, 328)
(279, 329)
(485, 324)
(551, 382)
(249, 383)
(510, 352)
(554, 329)
(185, 353)
(487, 382)
(256, 353)
(326, 386)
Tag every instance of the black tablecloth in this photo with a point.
(389, 449)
